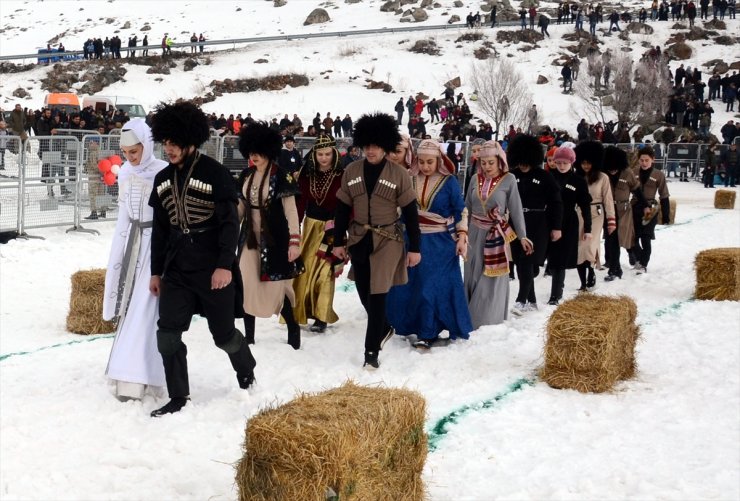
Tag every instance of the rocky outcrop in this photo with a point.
(679, 50)
(639, 28)
(419, 15)
(372, 84)
(317, 16)
(97, 79)
(426, 47)
(189, 64)
(527, 36)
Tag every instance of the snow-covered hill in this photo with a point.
(338, 68)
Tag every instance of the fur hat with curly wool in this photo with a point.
(592, 152)
(379, 129)
(615, 159)
(259, 138)
(183, 124)
(525, 150)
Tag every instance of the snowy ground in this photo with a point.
(337, 67)
(671, 433)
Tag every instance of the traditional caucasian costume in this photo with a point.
(269, 227)
(602, 209)
(434, 300)
(624, 184)
(486, 274)
(370, 197)
(562, 254)
(314, 289)
(134, 360)
(194, 238)
(543, 213)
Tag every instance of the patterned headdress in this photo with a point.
(408, 158)
(323, 141)
(494, 149)
(430, 147)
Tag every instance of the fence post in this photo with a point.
(80, 165)
(22, 166)
(21, 185)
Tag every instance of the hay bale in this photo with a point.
(724, 199)
(671, 214)
(718, 274)
(591, 343)
(362, 443)
(86, 304)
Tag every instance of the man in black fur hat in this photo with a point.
(543, 214)
(653, 183)
(372, 191)
(624, 184)
(194, 238)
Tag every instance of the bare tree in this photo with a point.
(641, 91)
(639, 95)
(595, 101)
(502, 95)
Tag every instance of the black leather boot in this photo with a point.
(174, 405)
(249, 328)
(294, 330)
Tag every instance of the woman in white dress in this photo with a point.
(134, 363)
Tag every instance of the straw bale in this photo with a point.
(671, 215)
(718, 274)
(724, 199)
(86, 304)
(362, 443)
(591, 343)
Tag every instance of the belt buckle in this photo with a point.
(186, 231)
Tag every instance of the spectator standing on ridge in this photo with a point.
(399, 110)
(543, 23)
(290, 159)
(532, 15)
(193, 41)
(347, 125)
(145, 45)
(201, 39)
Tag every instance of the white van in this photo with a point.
(105, 103)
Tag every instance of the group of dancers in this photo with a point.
(189, 240)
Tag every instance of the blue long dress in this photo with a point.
(433, 299)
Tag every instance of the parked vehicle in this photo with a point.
(67, 102)
(130, 105)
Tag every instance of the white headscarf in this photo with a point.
(149, 166)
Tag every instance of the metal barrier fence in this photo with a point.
(54, 180)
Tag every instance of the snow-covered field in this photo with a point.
(337, 67)
(671, 433)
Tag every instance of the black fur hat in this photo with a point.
(261, 139)
(525, 150)
(592, 152)
(379, 129)
(614, 159)
(183, 124)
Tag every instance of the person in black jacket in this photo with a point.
(290, 159)
(194, 239)
(543, 214)
(562, 254)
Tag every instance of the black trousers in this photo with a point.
(374, 304)
(558, 283)
(182, 295)
(526, 270)
(611, 252)
(643, 249)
